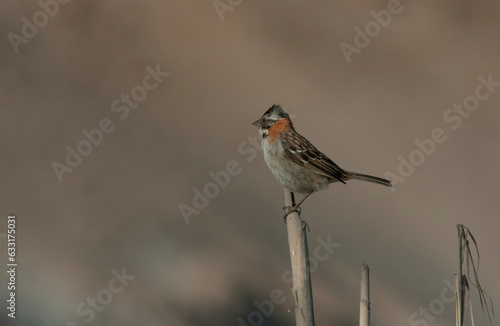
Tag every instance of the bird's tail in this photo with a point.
(369, 178)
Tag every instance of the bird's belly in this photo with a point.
(291, 175)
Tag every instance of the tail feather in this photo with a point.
(369, 178)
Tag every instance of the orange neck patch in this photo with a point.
(280, 125)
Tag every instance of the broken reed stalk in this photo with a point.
(299, 256)
(464, 280)
(364, 306)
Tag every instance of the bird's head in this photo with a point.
(272, 116)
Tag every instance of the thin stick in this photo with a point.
(460, 284)
(299, 256)
(364, 306)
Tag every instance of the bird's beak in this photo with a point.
(256, 123)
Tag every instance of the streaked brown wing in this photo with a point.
(302, 152)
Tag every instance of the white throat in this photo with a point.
(263, 133)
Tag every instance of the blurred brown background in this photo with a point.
(119, 208)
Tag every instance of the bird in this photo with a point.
(296, 163)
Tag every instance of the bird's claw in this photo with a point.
(289, 210)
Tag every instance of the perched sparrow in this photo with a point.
(295, 162)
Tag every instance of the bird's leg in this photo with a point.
(294, 208)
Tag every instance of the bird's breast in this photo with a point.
(291, 175)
